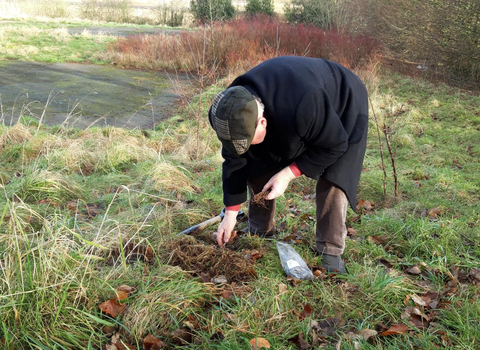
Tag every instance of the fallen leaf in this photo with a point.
(193, 323)
(282, 287)
(152, 343)
(396, 329)
(228, 294)
(182, 336)
(71, 205)
(117, 344)
(384, 262)
(430, 299)
(258, 343)
(418, 321)
(474, 275)
(127, 289)
(367, 333)
(433, 213)
(377, 239)
(366, 204)
(121, 295)
(418, 300)
(351, 232)
(414, 270)
(319, 330)
(300, 342)
(111, 307)
(306, 312)
(293, 281)
(218, 335)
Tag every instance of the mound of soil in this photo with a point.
(210, 260)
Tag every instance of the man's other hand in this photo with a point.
(278, 183)
(226, 227)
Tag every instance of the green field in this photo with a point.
(91, 216)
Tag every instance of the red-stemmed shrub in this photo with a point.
(238, 45)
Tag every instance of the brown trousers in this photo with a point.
(332, 205)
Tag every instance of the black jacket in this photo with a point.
(317, 116)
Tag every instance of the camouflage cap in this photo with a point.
(234, 118)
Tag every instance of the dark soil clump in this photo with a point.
(260, 198)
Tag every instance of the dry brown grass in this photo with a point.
(168, 177)
(15, 135)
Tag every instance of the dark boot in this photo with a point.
(333, 264)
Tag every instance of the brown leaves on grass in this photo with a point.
(258, 343)
(117, 344)
(306, 312)
(365, 206)
(414, 270)
(377, 239)
(474, 276)
(84, 211)
(150, 342)
(396, 329)
(113, 307)
(153, 343)
(300, 342)
(321, 330)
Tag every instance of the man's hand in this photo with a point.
(226, 227)
(278, 183)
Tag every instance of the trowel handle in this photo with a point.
(201, 226)
(209, 222)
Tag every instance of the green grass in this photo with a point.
(52, 284)
(69, 197)
(43, 43)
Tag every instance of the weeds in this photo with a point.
(238, 45)
(71, 198)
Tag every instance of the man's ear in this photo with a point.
(263, 121)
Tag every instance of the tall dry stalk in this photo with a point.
(386, 128)
(380, 145)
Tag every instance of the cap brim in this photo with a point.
(230, 148)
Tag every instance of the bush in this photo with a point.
(256, 7)
(238, 45)
(51, 9)
(109, 10)
(439, 34)
(212, 10)
(171, 16)
(327, 14)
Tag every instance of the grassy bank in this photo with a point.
(90, 216)
(50, 43)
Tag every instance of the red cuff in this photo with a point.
(233, 207)
(295, 170)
